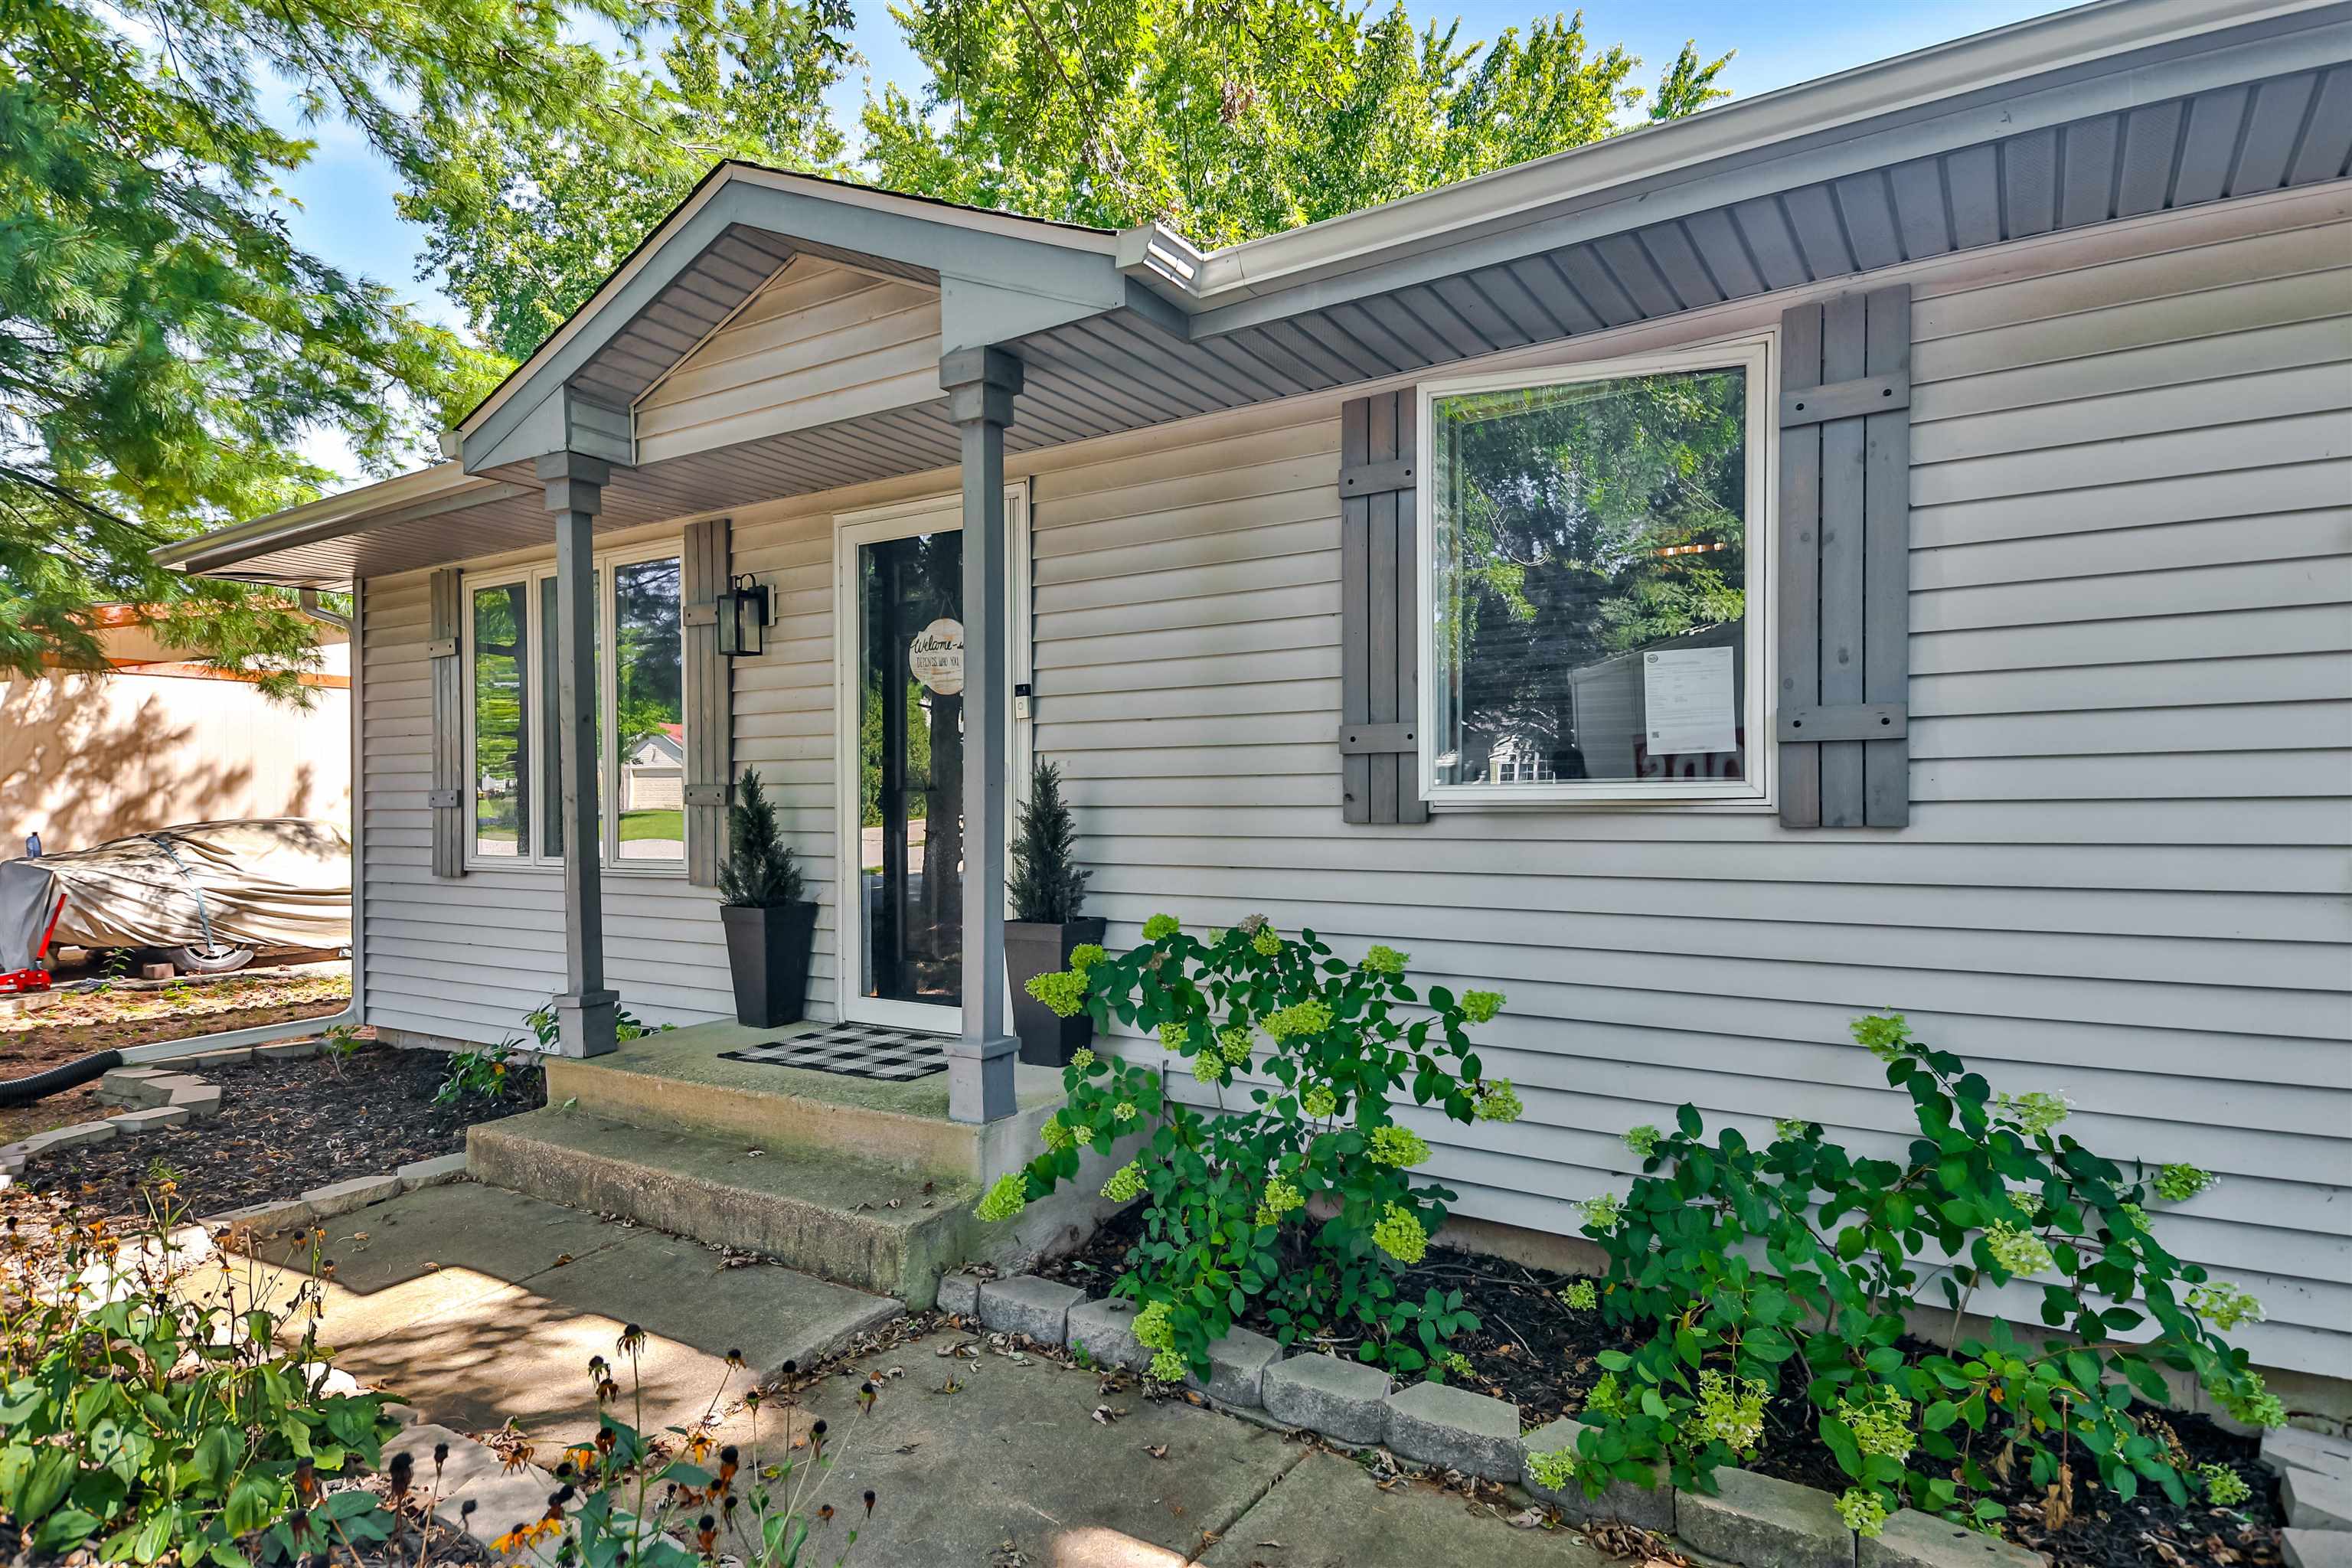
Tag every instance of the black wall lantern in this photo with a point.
(742, 617)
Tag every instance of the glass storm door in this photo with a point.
(909, 685)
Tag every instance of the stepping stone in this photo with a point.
(342, 1198)
(1105, 1330)
(1916, 1540)
(1028, 1305)
(2288, 1448)
(152, 1118)
(1761, 1520)
(1438, 1424)
(2314, 1500)
(74, 1136)
(1238, 1367)
(2317, 1548)
(1343, 1399)
(1651, 1507)
(434, 1172)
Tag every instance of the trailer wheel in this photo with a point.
(219, 960)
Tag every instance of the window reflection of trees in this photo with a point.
(1577, 523)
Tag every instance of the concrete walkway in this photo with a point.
(478, 1305)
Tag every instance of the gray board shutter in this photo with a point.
(1379, 698)
(447, 797)
(708, 697)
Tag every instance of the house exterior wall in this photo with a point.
(2125, 872)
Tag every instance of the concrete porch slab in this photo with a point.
(478, 1305)
(1326, 1513)
(680, 1079)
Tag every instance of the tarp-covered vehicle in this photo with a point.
(206, 895)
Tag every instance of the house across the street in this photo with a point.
(1945, 603)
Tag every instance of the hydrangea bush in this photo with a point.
(1296, 1190)
(1789, 1269)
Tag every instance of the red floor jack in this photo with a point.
(25, 981)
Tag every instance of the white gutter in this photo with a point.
(2085, 36)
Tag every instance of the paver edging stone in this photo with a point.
(2316, 1548)
(1439, 1424)
(1763, 1521)
(960, 1294)
(1105, 1330)
(1651, 1508)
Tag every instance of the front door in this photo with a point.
(900, 601)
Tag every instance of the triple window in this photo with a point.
(512, 714)
(1592, 582)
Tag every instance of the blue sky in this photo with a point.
(346, 194)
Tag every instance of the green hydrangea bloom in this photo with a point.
(2224, 1305)
(1123, 1111)
(1399, 1146)
(1209, 1067)
(1174, 1033)
(2223, 1485)
(1863, 1511)
(1457, 1364)
(1606, 1398)
(1086, 955)
(1386, 959)
(2251, 1402)
(2178, 1183)
(1311, 1016)
(1643, 1141)
(1790, 1128)
(2035, 1113)
(1884, 1034)
(1603, 1213)
(2134, 1215)
(1400, 1235)
(1063, 990)
(1082, 1058)
(1159, 926)
(1056, 1136)
(1581, 1295)
(2015, 1249)
(1281, 1199)
(1267, 943)
(1498, 1101)
(1234, 1043)
(1319, 1101)
(1125, 1184)
(1554, 1470)
(1731, 1410)
(1166, 1366)
(1154, 1328)
(1008, 1198)
(2028, 1204)
(1882, 1426)
(1480, 1006)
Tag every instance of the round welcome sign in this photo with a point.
(935, 657)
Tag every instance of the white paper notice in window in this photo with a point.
(1687, 701)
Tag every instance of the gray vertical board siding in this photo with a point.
(710, 688)
(1842, 561)
(450, 636)
(1887, 551)
(1800, 593)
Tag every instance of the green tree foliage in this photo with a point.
(525, 223)
(164, 345)
(1232, 121)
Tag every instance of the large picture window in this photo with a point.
(513, 723)
(1594, 577)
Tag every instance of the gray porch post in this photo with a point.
(575, 491)
(981, 386)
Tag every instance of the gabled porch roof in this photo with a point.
(2089, 116)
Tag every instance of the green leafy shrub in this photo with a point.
(1787, 1269)
(149, 1421)
(1295, 1193)
(1047, 885)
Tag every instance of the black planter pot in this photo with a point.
(1032, 948)
(768, 950)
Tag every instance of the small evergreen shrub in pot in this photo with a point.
(1048, 892)
(769, 926)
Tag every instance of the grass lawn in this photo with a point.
(669, 824)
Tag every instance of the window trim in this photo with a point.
(1757, 355)
(538, 638)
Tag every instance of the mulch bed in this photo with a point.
(286, 1125)
(1532, 1349)
(47, 1032)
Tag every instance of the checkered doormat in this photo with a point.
(858, 1050)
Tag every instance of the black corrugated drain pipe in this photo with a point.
(16, 1091)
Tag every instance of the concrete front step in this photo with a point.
(856, 1222)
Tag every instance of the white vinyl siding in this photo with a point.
(2131, 743)
(817, 343)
